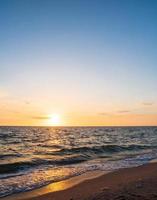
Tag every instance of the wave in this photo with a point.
(17, 166)
(3, 156)
(103, 149)
(71, 156)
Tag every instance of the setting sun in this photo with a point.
(55, 120)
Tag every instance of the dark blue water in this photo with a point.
(31, 157)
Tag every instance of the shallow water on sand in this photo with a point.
(31, 157)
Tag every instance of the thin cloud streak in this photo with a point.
(40, 117)
(105, 114)
(123, 111)
(115, 113)
(147, 103)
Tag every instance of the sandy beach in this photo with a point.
(130, 184)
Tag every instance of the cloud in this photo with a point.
(27, 102)
(123, 111)
(40, 117)
(111, 114)
(147, 103)
(104, 113)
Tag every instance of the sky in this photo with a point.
(90, 62)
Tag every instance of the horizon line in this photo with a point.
(78, 126)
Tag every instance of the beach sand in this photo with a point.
(125, 184)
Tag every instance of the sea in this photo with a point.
(31, 157)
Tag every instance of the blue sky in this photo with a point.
(80, 55)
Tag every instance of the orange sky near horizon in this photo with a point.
(81, 120)
(74, 111)
(71, 112)
(140, 120)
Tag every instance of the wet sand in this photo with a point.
(138, 183)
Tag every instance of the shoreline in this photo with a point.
(129, 183)
(56, 186)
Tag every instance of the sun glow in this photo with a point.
(55, 120)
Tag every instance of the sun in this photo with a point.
(55, 120)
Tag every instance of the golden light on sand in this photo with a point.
(55, 120)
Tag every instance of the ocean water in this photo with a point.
(31, 157)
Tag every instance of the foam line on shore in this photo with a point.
(57, 186)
